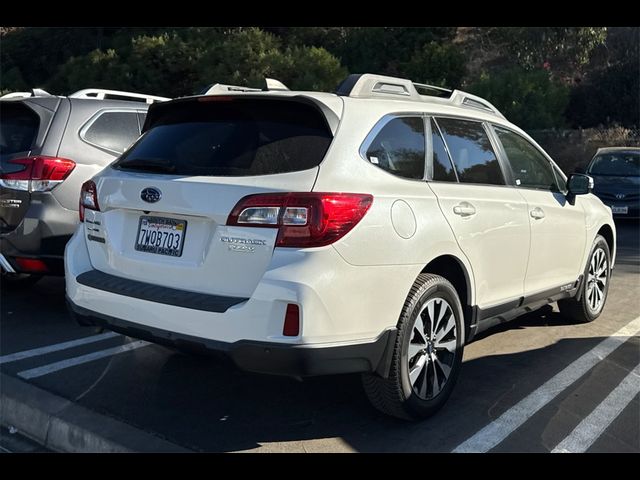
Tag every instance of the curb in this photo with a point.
(61, 425)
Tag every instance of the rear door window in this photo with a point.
(227, 136)
(113, 131)
(471, 151)
(399, 147)
(442, 167)
(18, 128)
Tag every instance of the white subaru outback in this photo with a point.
(374, 230)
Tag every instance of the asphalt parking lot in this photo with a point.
(537, 384)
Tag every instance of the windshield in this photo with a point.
(18, 128)
(231, 137)
(623, 164)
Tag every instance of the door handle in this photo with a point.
(537, 213)
(464, 209)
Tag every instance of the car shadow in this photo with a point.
(206, 405)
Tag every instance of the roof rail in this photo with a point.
(222, 88)
(36, 92)
(464, 99)
(368, 85)
(271, 84)
(102, 94)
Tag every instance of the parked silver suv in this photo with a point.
(49, 146)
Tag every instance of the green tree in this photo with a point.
(529, 98)
(439, 64)
(563, 50)
(98, 69)
(385, 49)
(309, 68)
(244, 58)
(163, 65)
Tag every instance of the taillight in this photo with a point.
(303, 219)
(31, 264)
(88, 198)
(39, 173)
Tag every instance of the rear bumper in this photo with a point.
(261, 357)
(42, 234)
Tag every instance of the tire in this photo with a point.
(18, 281)
(409, 392)
(594, 288)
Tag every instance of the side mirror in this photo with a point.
(579, 184)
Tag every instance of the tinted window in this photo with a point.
(231, 137)
(560, 180)
(115, 131)
(472, 153)
(625, 164)
(530, 168)
(399, 147)
(141, 118)
(442, 166)
(18, 128)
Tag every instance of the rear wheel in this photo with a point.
(427, 355)
(16, 281)
(594, 288)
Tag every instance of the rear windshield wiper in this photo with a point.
(151, 164)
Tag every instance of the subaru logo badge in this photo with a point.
(151, 195)
(620, 196)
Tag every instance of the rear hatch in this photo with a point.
(164, 204)
(19, 127)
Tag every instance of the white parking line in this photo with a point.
(13, 357)
(592, 426)
(495, 432)
(89, 357)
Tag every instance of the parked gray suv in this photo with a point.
(49, 146)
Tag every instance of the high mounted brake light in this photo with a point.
(303, 219)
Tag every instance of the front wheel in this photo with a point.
(427, 354)
(595, 286)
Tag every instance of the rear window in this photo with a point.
(231, 137)
(113, 130)
(18, 128)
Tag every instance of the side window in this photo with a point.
(562, 183)
(531, 168)
(399, 147)
(141, 118)
(442, 167)
(114, 131)
(472, 153)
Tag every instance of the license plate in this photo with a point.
(623, 210)
(164, 236)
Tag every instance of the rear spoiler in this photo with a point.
(157, 110)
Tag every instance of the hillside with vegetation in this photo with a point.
(540, 77)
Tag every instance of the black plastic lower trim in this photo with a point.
(156, 293)
(261, 357)
(498, 314)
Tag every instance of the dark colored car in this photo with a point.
(616, 175)
(49, 146)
